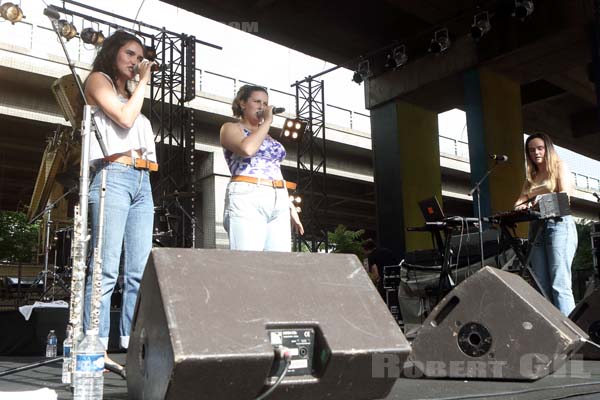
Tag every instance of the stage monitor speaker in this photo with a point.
(493, 326)
(207, 322)
(587, 316)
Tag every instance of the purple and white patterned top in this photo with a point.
(266, 163)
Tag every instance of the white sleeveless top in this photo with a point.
(121, 140)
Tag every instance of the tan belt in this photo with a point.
(139, 163)
(266, 182)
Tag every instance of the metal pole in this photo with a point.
(47, 248)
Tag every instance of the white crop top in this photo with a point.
(121, 140)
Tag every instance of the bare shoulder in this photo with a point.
(229, 128)
(563, 167)
(98, 78)
(97, 83)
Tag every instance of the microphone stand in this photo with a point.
(44, 274)
(188, 216)
(477, 189)
(597, 196)
(52, 14)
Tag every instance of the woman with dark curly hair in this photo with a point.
(555, 246)
(129, 139)
(257, 207)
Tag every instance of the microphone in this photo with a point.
(276, 110)
(51, 13)
(155, 67)
(499, 157)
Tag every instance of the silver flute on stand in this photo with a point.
(80, 243)
(81, 237)
(97, 270)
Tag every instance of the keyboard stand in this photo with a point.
(524, 256)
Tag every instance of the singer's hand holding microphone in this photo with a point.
(144, 67)
(269, 112)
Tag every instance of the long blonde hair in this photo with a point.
(551, 158)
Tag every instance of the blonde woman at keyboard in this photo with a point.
(554, 247)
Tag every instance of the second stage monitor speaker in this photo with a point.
(494, 326)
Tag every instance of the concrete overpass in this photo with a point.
(29, 114)
(527, 73)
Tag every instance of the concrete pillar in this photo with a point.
(495, 126)
(406, 167)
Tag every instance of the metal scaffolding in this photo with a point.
(312, 165)
(174, 137)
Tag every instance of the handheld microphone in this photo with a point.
(276, 110)
(499, 157)
(155, 67)
(51, 13)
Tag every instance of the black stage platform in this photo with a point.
(578, 380)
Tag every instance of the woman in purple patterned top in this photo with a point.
(257, 207)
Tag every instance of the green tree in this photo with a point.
(343, 240)
(583, 256)
(18, 239)
(583, 265)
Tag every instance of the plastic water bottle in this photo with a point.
(51, 343)
(88, 378)
(67, 346)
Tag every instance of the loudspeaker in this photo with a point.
(587, 316)
(207, 323)
(494, 326)
(69, 99)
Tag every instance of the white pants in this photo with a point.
(257, 217)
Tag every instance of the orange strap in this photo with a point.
(266, 182)
(139, 163)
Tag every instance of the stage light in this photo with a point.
(481, 25)
(91, 36)
(396, 58)
(67, 29)
(293, 128)
(11, 12)
(440, 41)
(363, 71)
(296, 200)
(523, 9)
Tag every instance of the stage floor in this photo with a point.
(577, 380)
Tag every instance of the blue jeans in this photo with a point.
(551, 258)
(257, 217)
(128, 222)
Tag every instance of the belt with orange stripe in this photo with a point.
(137, 163)
(265, 182)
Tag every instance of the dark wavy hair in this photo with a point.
(243, 95)
(106, 59)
